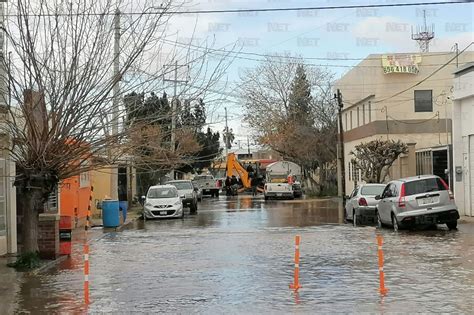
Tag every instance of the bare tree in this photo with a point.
(375, 158)
(61, 81)
(268, 93)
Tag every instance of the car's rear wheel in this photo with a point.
(266, 197)
(453, 225)
(395, 224)
(217, 194)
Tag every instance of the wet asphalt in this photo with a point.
(236, 256)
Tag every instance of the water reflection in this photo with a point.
(236, 256)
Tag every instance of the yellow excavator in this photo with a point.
(233, 167)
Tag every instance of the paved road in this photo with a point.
(235, 256)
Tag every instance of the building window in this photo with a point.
(370, 111)
(363, 114)
(423, 101)
(351, 118)
(51, 205)
(358, 118)
(355, 172)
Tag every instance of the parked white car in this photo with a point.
(361, 204)
(163, 201)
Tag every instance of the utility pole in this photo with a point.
(115, 101)
(342, 179)
(448, 149)
(226, 134)
(456, 49)
(174, 106)
(385, 109)
(248, 144)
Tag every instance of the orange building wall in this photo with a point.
(74, 199)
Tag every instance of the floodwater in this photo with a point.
(236, 256)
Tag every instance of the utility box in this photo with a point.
(65, 235)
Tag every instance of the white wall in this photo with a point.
(8, 241)
(463, 127)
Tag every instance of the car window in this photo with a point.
(372, 190)
(386, 191)
(157, 193)
(393, 190)
(354, 192)
(182, 185)
(199, 177)
(423, 186)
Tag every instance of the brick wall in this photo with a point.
(48, 236)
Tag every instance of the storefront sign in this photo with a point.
(401, 63)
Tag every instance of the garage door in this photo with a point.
(471, 174)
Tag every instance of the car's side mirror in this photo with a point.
(182, 196)
(378, 197)
(347, 197)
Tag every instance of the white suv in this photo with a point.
(420, 200)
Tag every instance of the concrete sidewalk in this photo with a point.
(466, 219)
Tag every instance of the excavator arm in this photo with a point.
(234, 165)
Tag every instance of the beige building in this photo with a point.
(401, 97)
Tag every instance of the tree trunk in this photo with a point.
(31, 202)
(322, 179)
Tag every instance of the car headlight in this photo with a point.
(177, 203)
(148, 204)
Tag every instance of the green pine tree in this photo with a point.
(300, 98)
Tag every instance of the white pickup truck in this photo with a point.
(277, 185)
(278, 190)
(208, 184)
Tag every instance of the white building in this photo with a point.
(463, 138)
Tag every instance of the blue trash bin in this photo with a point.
(123, 207)
(110, 213)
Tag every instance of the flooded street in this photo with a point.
(236, 256)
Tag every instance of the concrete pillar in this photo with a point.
(411, 160)
(48, 235)
(11, 208)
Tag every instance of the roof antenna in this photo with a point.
(423, 35)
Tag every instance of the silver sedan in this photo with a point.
(361, 204)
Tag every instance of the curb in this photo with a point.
(126, 225)
(48, 265)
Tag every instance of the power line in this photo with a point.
(299, 58)
(415, 122)
(235, 54)
(166, 12)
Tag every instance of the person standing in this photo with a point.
(254, 184)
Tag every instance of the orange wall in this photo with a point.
(74, 199)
